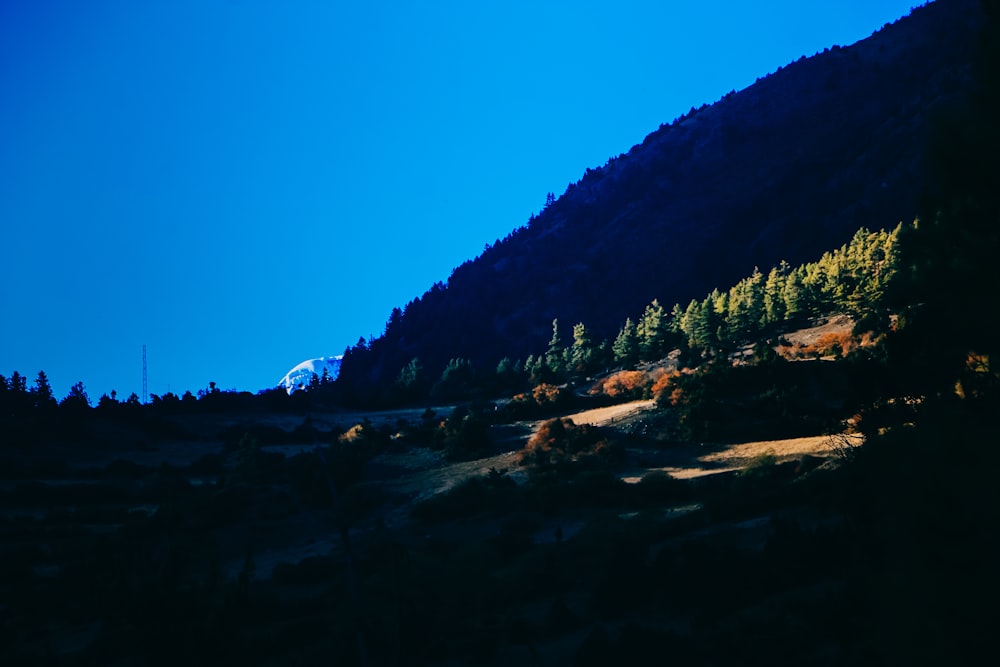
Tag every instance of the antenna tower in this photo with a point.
(144, 384)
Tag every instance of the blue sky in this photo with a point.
(241, 184)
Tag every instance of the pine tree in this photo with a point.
(676, 315)
(77, 398)
(554, 354)
(411, 379)
(508, 373)
(581, 353)
(534, 368)
(792, 295)
(18, 384)
(457, 379)
(626, 345)
(774, 302)
(652, 332)
(42, 392)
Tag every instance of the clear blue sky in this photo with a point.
(242, 184)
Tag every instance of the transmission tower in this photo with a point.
(144, 382)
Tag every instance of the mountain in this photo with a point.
(300, 376)
(782, 170)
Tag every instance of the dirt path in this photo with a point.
(694, 461)
(782, 450)
(610, 414)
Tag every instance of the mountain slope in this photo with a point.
(785, 169)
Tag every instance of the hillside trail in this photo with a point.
(426, 472)
(408, 476)
(700, 459)
(421, 473)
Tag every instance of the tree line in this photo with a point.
(853, 279)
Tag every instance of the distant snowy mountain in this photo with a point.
(298, 377)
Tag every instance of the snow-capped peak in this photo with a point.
(298, 377)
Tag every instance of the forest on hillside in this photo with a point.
(274, 529)
(786, 169)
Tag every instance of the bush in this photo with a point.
(560, 442)
(658, 487)
(542, 400)
(494, 491)
(625, 385)
(463, 435)
(664, 384)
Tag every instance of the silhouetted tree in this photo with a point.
(76, 400)
(42, 393)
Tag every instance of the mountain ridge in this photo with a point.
(784, 169)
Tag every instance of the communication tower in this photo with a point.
(144, 381)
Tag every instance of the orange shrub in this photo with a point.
(560, 441)
(677, 397)
(833, 343)
(624, 384)
(546, 394)
(663, 383)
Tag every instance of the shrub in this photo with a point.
(664, 383)
(543, 399)
(625, 385)
(760, 464)
(558, 442)
(464, 434)
(546, 395)
(658, 486)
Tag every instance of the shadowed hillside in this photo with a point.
(784, 169)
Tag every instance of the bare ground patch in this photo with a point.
(611, 414)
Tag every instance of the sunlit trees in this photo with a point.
(626, 345)
(744, 309)
(852, 280)
(773, 295)
(554, 360)
(652, 332)
(581, 352)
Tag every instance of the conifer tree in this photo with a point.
(18, 384)
(77, 398)
(412, 379)
(652, 332)
(582, 351)
(42, 392)
(554, 354)
(792, 295)
(676, 315)
(534, 368)
(774, 302)
(626, 345)
(508, 373)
